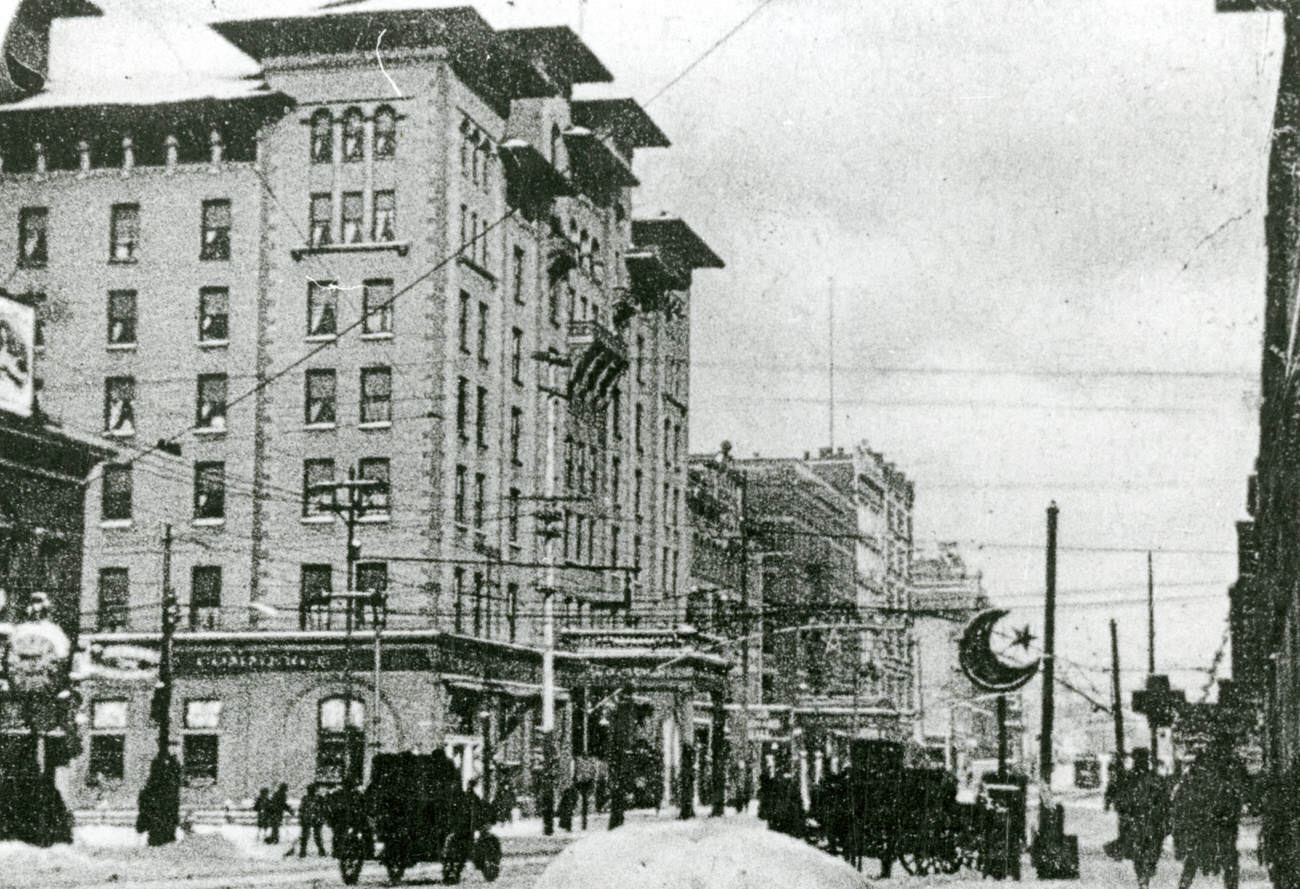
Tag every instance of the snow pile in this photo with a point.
(715, 853)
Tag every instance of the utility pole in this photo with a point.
(1152, 719)
(162, 792)
(549, 519)
(169, 616)
(351, 509)
(745, 629)
(830, 359)
(1049, 656)
(1117, 701)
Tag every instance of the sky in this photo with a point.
(1038, 225)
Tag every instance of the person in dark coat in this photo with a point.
(159, 801)
(262, 807)
(568, 805)
(311, 818)
(1142, 802)
(1208, 812)
(277, 808)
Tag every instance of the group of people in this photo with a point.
(313, 814)
(1202, 810)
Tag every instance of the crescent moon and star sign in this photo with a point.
(985, 667)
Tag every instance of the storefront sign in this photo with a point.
(17, 354)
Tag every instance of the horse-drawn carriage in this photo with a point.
(414, 810)
(877, 808)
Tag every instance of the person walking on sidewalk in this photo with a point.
(262, 807)
(311, 817)
(1208, 813)
(277, 808)
(1143, 806)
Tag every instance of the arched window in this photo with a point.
(354, 135)
(322, 137)
(597, 263)
(385, 132)
(340, 740)
(555, 147)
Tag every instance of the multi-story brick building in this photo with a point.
(418, 264)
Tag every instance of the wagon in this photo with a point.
(414, 810)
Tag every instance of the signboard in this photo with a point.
(17, 354)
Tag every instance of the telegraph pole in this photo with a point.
(1049, 656)
(351, 509)
(162, 792)
(1151, 660)
(1117, 701)
(164, 703)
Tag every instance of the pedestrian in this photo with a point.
(568, 805)
(1117, 847)
(1208, 813)
(277, 808)
(158, 804)
(311, 818)
(262, 808)
(1142, 802)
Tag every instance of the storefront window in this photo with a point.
(340, 740)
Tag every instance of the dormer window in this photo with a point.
(322, 137)
(385, 132)
(354, 136)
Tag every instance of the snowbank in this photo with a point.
(705, 853)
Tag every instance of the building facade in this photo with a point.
(391, 329)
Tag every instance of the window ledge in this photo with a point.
(476, 268)
(321, 337)
(210, 431)
(376, 424)
(377, 336)
(31, 265)
(320, 427)
(401, 248)
(131, 261)
(378, 518)
(213, 344)
(120, 347)
(116, 524)
(317, 519)
(208, 523)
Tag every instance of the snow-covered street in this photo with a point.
(230, 856)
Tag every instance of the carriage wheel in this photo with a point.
(487, 856)
(351, 851)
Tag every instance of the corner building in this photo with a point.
(425, 276)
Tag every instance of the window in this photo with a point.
(480, 417)
(483, 332)
(214, 242)
(512, 603)
(616, 414)
(340, 741)
(637, 480)
(354, 136)
(553, 300)
(461, 473)
(377, 307)
(353, 221)
(115, 492)
(640, 358)
(33, 248)
(517, 356)
(636, 432)
(517, 274)
(458, 581)
(615, 477)
(479, 596)
(372, 577)
(385, 132)
(668, 453)
(119, 406)
(108, 721)
(322, 308)
(214, 308)
(465, 234)
(121, 317)
(200, 743)
(322, 211)
(210, 411)
(385, 222)
(480, 495)
(316, 582)
(114, 588)
(516, 433)
(205, 597)
(320, 398)
(462, 327)
(322, 137)
(317, 487)
(462, 408)
(512, 526)
(210, 490)
(124, 233)
(376, 395)
(375, 469)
